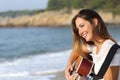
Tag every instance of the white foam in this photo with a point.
(40, 64)
(17, 74)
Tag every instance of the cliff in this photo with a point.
(51, 18)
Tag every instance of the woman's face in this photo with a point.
(85, 29)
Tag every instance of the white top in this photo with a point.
(99, 58)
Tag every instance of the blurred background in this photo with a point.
(36, 35)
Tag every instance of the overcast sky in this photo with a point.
(6, 5)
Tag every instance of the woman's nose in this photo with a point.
(80, 32)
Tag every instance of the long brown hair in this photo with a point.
(100, 30)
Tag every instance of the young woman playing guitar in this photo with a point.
(90, 35)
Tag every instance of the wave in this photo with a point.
(42, 64)
(14, 74)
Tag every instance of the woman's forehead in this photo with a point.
(80, 20)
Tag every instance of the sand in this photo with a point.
(59, 76)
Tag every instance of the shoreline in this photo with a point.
(51, 26)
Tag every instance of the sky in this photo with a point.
(6, 5)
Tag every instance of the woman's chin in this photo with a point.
(87, 40)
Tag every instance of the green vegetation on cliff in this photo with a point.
(20, 13)
(106, 5)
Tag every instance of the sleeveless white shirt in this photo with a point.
(99, 58)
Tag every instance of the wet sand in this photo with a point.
(59, 76)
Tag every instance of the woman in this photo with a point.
(90, 36)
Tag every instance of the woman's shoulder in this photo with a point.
(107, 45)
(116, 59)
(108, 42)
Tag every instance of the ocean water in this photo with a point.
(28, 53)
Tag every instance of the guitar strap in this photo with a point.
(106, 63)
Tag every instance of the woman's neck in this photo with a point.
(98, 44)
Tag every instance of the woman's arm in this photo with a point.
(112, 73)
(73, 57)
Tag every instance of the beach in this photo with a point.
(37, 53)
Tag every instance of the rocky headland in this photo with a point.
(51, 18)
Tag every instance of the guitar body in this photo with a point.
(85, 67)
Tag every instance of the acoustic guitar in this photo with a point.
(84, 69)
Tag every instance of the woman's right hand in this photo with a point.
(67, 72)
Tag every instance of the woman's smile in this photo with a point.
(84, 35)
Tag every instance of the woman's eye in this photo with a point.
(82, 25)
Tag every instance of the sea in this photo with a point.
(28, 53)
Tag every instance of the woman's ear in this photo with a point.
(95, 22)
